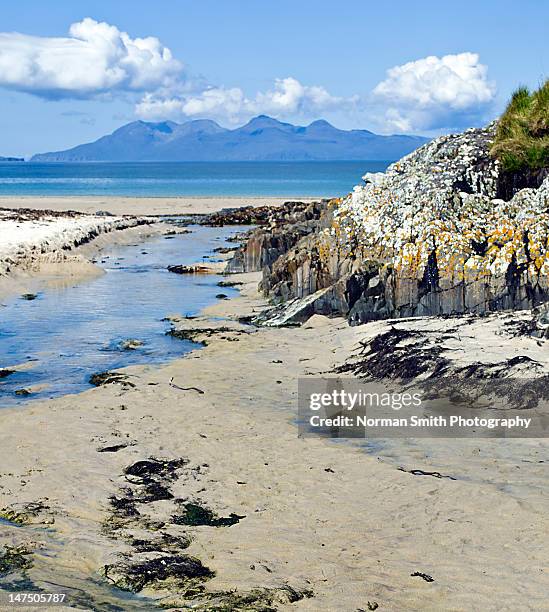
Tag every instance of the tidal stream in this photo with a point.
(56, 341)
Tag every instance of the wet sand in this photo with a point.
(328, 519)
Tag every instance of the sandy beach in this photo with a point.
(319, 525)
(140, 206)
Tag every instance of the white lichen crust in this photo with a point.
(440, 201)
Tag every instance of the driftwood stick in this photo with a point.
(172, 384)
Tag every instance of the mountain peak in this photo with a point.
(320, 123)
(165, 127)
(264, 119)
(197, 126)
(262, 122)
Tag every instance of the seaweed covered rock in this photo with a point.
(254, 215)
(182, 571)
(130, 344)
(110, 378)
(178, 269)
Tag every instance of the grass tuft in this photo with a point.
(522, 135)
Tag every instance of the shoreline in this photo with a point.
(62, 269)
(146, 205)
(28, 263)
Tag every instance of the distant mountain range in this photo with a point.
(261, 139)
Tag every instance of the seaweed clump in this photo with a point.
(158, 561)
(182, 571)
(255, 600)
(110, 378)
(153, 476)
(14, 559)
(197, 334)
(26, 514)
(398, 354)
(195, 515)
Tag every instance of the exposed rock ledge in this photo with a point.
(30, 237)
(427, 237)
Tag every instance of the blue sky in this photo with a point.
(451, 64)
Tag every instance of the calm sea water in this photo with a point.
(185, 178)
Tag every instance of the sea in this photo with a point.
(170, 179)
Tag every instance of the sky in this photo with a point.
(71, 72)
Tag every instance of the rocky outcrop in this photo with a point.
(296, 310)
(285, 227)
(251, 215)
(430, 236)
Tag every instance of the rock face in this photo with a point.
(430, 236)
(285, 226)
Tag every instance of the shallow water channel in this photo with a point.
(68, 333)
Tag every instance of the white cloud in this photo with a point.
(435, 92)
(212, 102)
(288, 97)
(97, 58)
